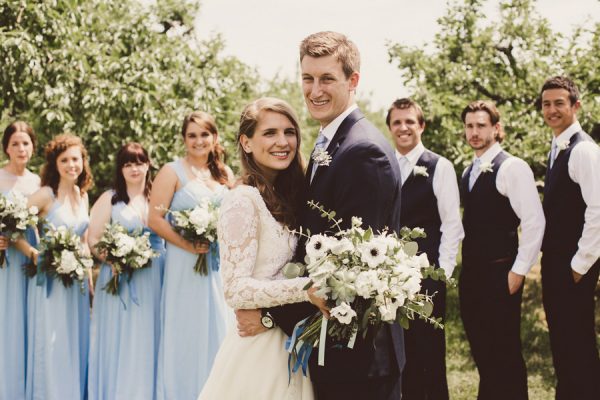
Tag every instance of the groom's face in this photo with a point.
(327, 91)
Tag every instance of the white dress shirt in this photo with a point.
(445, 189)
(515, 180)
(584, 169)
(331, 128)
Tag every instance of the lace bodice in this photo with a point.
(254, 248)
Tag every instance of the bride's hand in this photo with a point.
(317, 301)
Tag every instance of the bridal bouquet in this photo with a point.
(125, 252)
(198, 225)
(367, 279)
(15, 217)
(62, 256)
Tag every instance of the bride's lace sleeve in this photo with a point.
(238, 230)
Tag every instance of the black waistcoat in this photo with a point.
(419, 206)
(489, 221)
(564, 207)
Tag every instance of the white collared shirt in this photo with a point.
(445, 189)
(331, 128)
(515, 180)
(584, 169)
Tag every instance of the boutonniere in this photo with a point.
(420, 170)
(562, 145)
(486, 166)
(321, 157)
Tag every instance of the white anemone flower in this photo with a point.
(373, 252)
(317, 247)
(343, 313)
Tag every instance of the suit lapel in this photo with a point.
(336, 142)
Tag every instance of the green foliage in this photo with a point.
(113, 72)
(505, 60)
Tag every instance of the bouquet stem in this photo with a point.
(112, 286)
(201, 266)
(2, 258)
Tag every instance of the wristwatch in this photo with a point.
(267, 319)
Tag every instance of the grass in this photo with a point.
(463, 378)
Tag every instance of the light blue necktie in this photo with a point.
(553, 153)
(404, 168)
(321, 143)
(474, 173)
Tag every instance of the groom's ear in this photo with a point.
(354, 78)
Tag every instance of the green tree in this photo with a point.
(504, 59)
(115, 71)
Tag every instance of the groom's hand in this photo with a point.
(248, 322)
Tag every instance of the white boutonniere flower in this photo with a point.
(486, 166)
(419, 170)
(321, 157)
(562, 145)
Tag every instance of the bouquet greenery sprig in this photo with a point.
(197, 225)
(62, 257)
(367, 279)
(125, 252)
(15, 217)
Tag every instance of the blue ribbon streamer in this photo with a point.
(303, 350)
(214, 260)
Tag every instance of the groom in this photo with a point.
(363, 180)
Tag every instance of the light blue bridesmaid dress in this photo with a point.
(125, 329)
(13, 322)
(58, 326)
(192, 307)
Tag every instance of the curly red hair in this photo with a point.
(57, 146)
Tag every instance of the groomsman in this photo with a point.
(430, 200)
(571, 245)
(499, 194)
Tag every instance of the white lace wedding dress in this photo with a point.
(254, 247)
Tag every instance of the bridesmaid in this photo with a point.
(58, 317)
(125, 327)
(192, 305)
(18, 144)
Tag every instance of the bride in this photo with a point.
(255, 243)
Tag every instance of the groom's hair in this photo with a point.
(335, 44)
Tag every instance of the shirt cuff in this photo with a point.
(448, 269)
(580, 265)
(521, 267)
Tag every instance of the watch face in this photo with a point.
(267, 322)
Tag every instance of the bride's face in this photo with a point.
(274, 143)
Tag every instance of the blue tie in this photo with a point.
(404, 171)
(321, 143)
(553, 153)
(474, 173)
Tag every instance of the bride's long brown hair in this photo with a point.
(285, 197)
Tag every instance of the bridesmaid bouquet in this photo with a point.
(62, 256)
(15, 217)
(198, 225)
(367, 280)
(125, 252)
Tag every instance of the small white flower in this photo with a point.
(321, 157)
(317, 247)
(342, 245)
(562, 145)
(373, 252)
(420, 170)
(388, 311)
(67, 263)
(343, 313)
(486, 166)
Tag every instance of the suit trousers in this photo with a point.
(492, 320)
(569, 308)
(376, 388)
(424, 375)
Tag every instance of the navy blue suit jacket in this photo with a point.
(362, 180)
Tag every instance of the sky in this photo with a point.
(266, 33)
